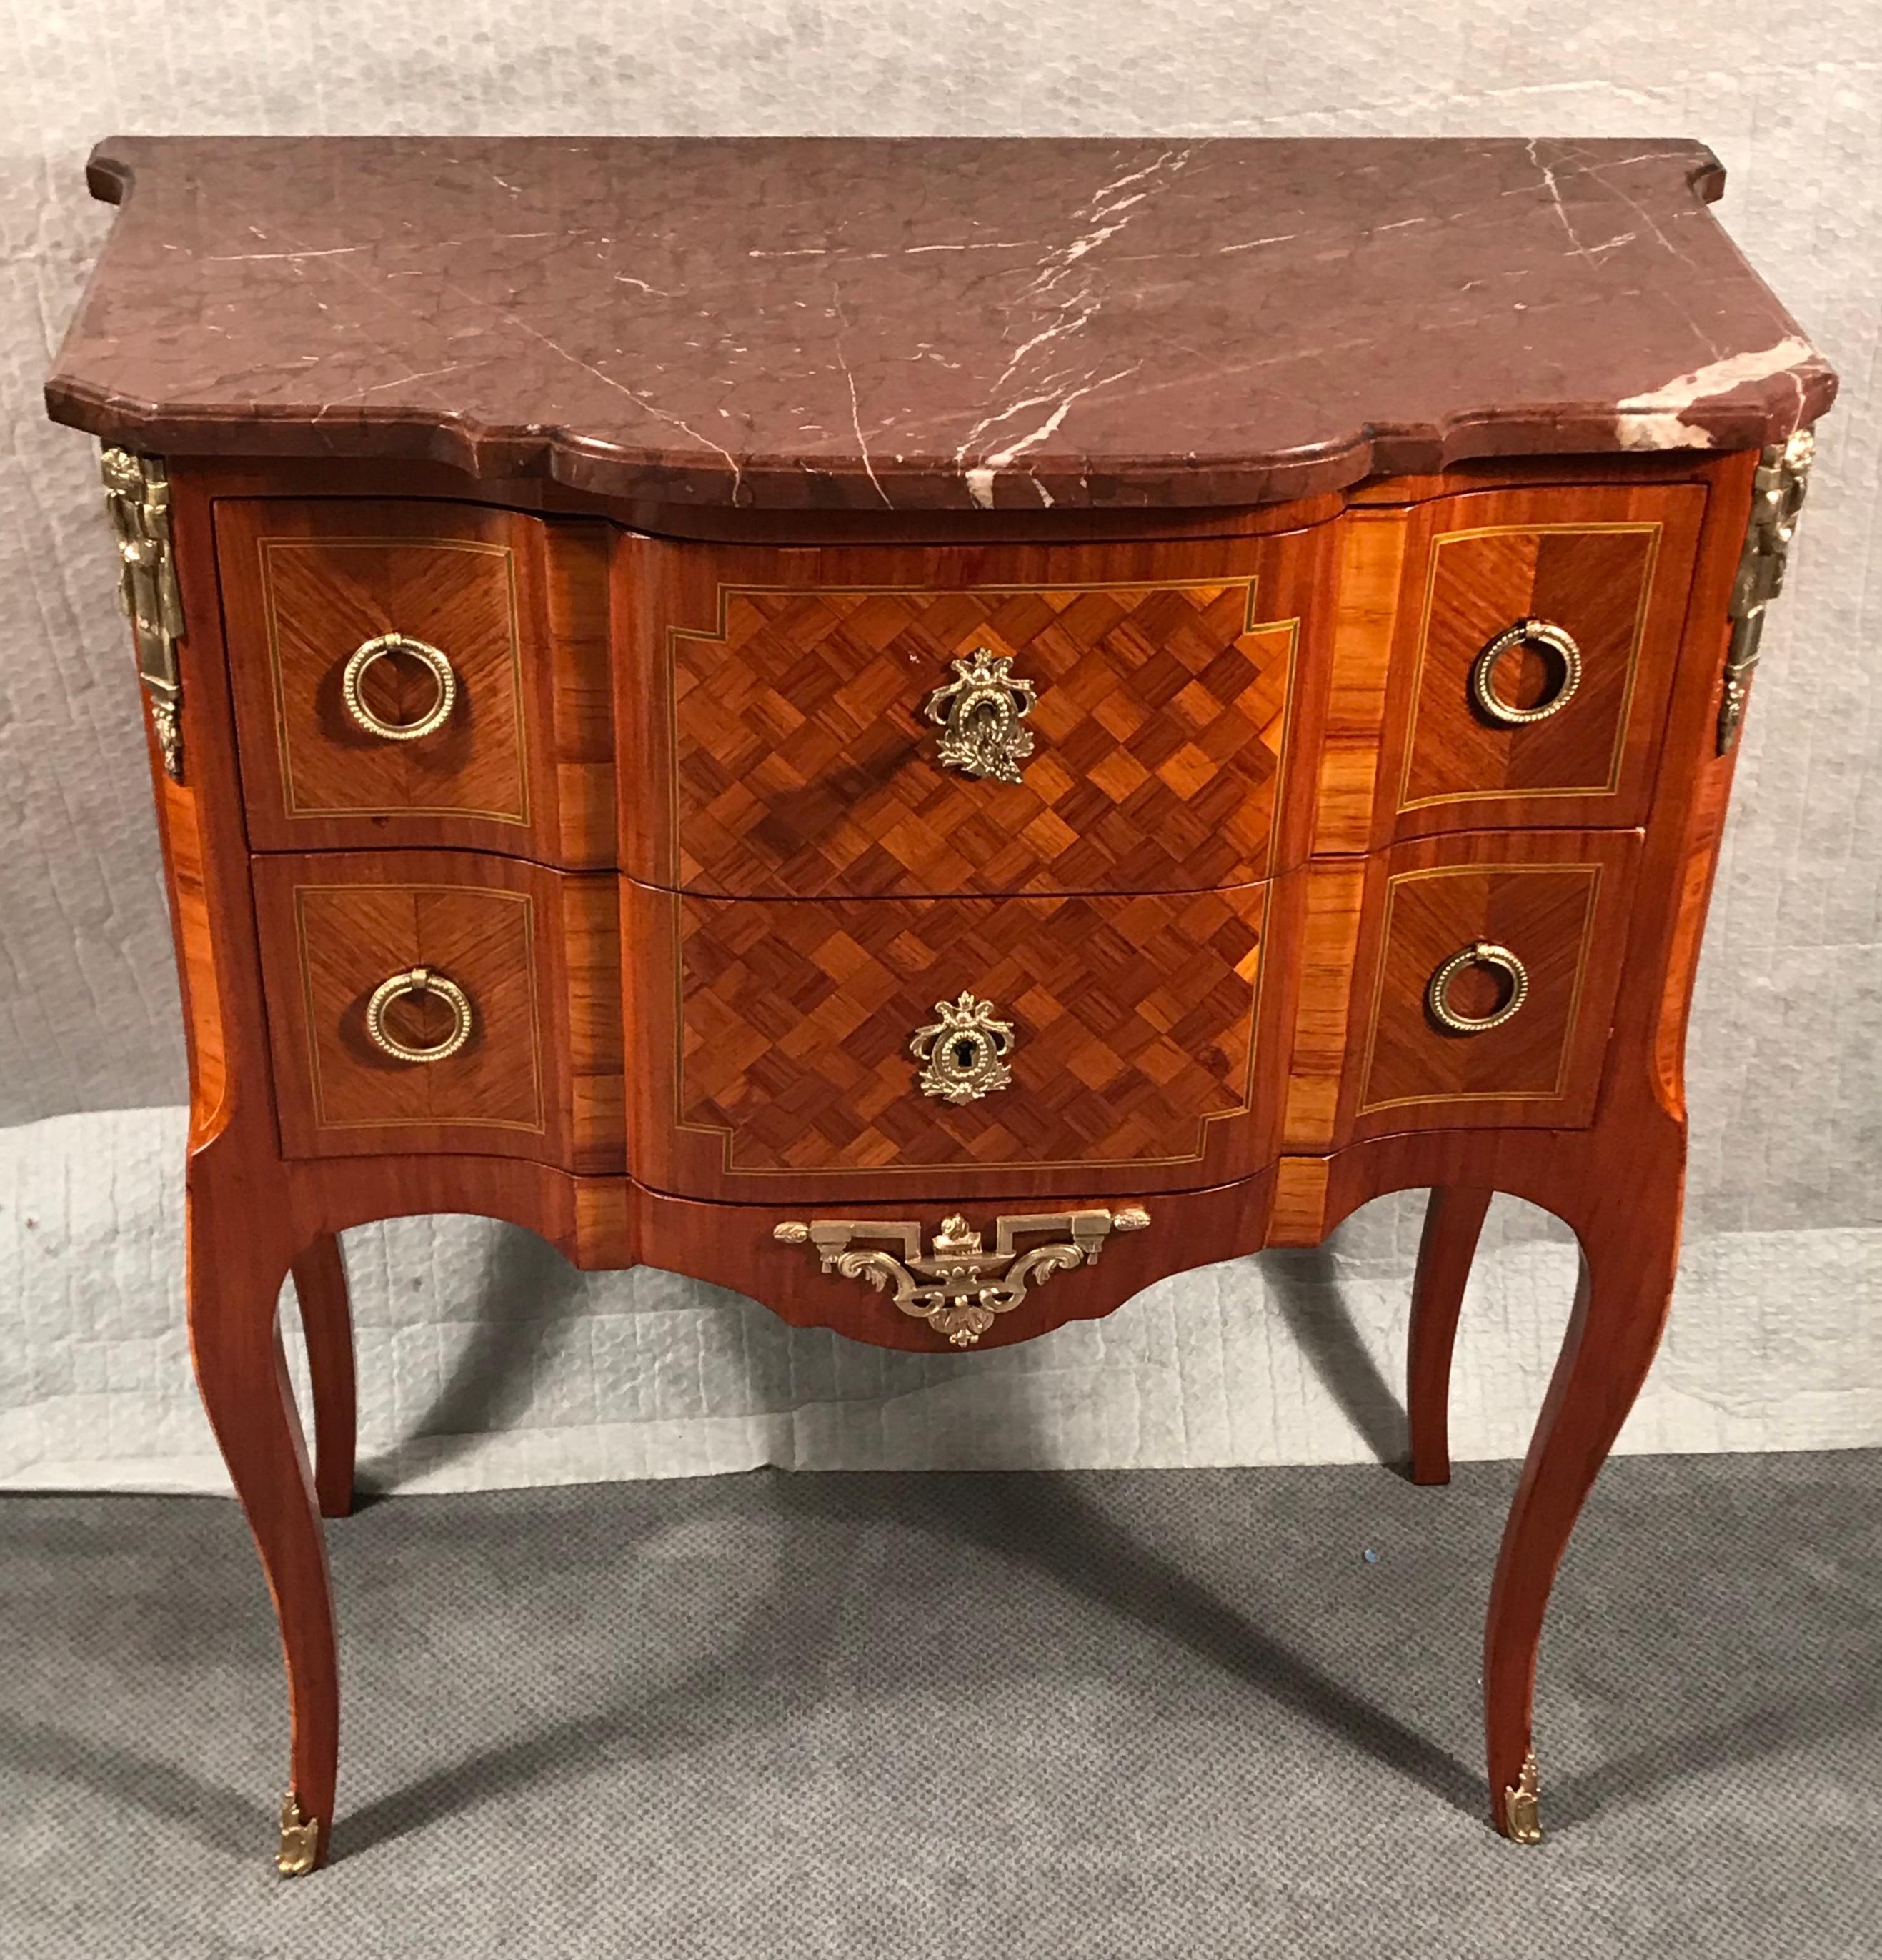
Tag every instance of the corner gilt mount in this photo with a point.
(137, 496)
(1777, 497)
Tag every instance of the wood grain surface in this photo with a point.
(1610, 565)
(524, 761)
(774, 1042)
(536, 952)
(1425, 587)
(781, 697)
(1559, 901)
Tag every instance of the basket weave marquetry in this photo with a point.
(803, 764)
(1134, 1019)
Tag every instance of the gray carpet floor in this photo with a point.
(1149, 1713)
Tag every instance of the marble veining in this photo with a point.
(1661, 419)
(926, 323)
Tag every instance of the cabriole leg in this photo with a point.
(327, 1326)
(1629, 1242)
(237, 1260)
(1453, 1219)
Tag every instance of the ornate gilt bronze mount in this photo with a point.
(137, 496)
(1520, 1813)
(964, 1051)
(299, 1850)
(959, 1287)
(980, 716)
(1777, 498)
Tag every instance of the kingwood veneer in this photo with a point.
(934, 732)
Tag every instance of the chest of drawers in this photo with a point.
(933, 732)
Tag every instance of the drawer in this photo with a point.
(832, 1049)
(1537, 647)
(932, 721)
(419, 674)
(1484, 979)
(519, 1008)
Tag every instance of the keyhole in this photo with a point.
(964, 1054)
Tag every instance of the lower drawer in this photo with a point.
(828, 1050)
(442, 1000)
(1459, 982)
(820, 1051)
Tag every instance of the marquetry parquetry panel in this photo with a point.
(1557, 901)
(778, 1034)
(1611, 566)
(537, 953)
(803, 763)
(1593, 582)
(519, 608)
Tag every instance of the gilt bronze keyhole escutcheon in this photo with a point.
(981, 715)
(964, 1052)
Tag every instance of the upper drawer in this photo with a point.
(1523, 677)
(419, 674)
(947, 720)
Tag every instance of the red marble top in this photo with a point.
(929, 323)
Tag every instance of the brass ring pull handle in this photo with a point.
(434, 716)
(981, 715)
(418, 983)
(1499, 958)
(1530, 632)
(959, 1285)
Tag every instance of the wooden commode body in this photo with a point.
(1023, 718)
